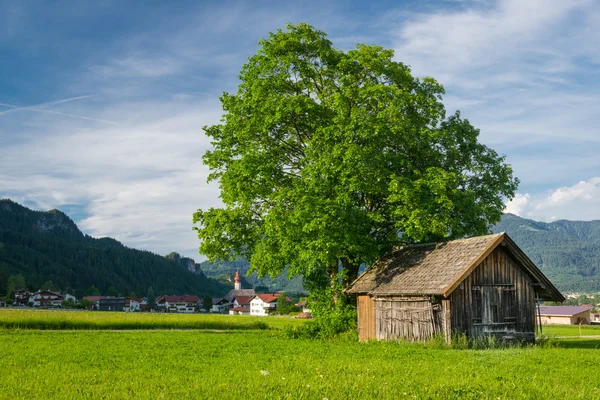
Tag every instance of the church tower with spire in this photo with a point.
(237, 281)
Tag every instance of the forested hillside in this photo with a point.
(567, 251)
(48, 246)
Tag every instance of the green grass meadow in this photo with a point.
(85, 320)
(264, 364)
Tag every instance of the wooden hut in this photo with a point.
(479, 286)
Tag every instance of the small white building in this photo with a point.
(132, 304)
(68, 296)
(263, 304)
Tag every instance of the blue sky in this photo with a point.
(102, 103)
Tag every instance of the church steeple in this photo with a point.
(237, 281)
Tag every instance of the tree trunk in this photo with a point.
(350, 272)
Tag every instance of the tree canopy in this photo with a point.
(327, 159)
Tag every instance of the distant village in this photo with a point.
(237, 301)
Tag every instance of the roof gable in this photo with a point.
(438, 268)
(179, 299)
(243, 300)
(268, 297)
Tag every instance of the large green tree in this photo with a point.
(327, 159)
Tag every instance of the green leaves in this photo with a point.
(325, 156)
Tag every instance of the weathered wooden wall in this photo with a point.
(497, 298)
(365, 307)
(408, 318)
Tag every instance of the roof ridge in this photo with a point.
(416, 245)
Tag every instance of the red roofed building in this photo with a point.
(240, 305)
(179, 304)
(264, 304)
(46, 298)
(242, 301)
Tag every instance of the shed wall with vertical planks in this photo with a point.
(497, 298)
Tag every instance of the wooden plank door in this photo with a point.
(366, 317)
(497, 310)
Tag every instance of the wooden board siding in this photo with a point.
(497, 298)
(365, 307)
(410, 319)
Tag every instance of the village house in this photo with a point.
(595, 318)
(21, 297)
(46, 298)
(178, 304)
(565, 315)
(303, 306)
(132, 304)
(264, 304)
(94, 300)
(478, 286)
(220, 304)
(109, 303)
(240, 305)
(2, 302)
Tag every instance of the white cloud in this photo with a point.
(140, 182)
(449, 43)
(518, 204)
(581, 191)
(524, 73)
(576, 202)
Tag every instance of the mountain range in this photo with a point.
(48, 246)
(568, 252)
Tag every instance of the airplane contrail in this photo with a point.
(72, 115)
(14, 108)
(37, 108)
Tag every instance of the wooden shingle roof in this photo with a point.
(438, 268)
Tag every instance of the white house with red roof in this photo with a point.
(133, 304)
(46, 298)
(179, 304)
(240, 305)
(264, 304)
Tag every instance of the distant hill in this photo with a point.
(48, 246)
(568, 252)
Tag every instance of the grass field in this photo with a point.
(261, 364)
(58, 320)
